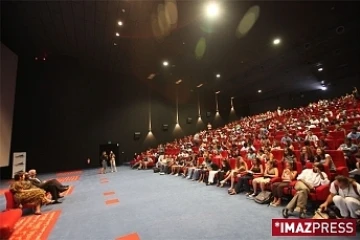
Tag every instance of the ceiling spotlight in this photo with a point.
(200, 85)
(165, 63)
(320, 69)
(218, 75)
(117, 34)
(123, 10)
(323, 88)
(120, 23)
(212, 10)
(44, 59)
(259, 91)
(36, 58)
(217, 92)
(115, 44)
(322, 82)
(178, 81)
(276, 41)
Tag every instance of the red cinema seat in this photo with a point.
(8, 219)
(278, 154)
(339, 161)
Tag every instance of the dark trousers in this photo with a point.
(277, 189)
(53, 191)
(52, 182)
(243, 184)
(220, 176)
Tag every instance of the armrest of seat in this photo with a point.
(275, 179)
(322, 192)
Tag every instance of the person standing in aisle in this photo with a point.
(103, 159)
(112, 162)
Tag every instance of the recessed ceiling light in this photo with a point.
(218, 75)
(178, 81)
(276, 41)
(36, 58)
(322, 82)
(259, 91)
(117, 34)
(120, 23)
(320, 69)
(123, 10)
(212, 10)
(165, 63)
(217, 92)
(115, 44)
(200, 85)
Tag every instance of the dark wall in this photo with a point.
(64, 111)
(292, 100)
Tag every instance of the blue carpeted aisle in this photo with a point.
(157, 208)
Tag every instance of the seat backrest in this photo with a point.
(278, 154)
(10, 201)
(338, 158)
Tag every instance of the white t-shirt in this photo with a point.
(347, 192)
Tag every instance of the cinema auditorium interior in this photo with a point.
(180, 120)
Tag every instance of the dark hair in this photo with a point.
(18, 176)
(320, 167)
(343, 179)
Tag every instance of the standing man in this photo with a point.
(103, 160)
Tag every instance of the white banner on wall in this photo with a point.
(19, 162)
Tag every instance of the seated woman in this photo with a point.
(306, 155)
(289, 156)
(189, 164)
(277, 188)
(241, 167)
(204, 171)
(270, 172)
(145, 162)
(243, 182)
(25, 193)
(268, 156)
(325, 159)
(176, 166)
(225, 170)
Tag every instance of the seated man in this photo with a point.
(307, 181)
(345, 194)
(53, 186)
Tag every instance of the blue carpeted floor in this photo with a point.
(157, 208)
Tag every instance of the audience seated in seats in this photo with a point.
(243, 183)
(345, 194)
(223, 172)
(325, 159)
(354, 135)
(240, 168)
(271, 171)
(349, 149)
(277, 188)
(308, 179)
(306, 155)
(256, 139)
(25, 193)
(53, 186)
(289, 156)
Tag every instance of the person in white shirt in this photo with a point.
(312, 138)
(345, 194)
(308, 180)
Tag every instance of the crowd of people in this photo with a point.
(245, 155)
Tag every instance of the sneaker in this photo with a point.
(177, 174)
(162, 173)
(251, 196)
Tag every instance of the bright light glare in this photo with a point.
(120, 23)
(276, 41)
(320, 69)
(165, 63)
(117, 34)
(259, 91)
(212, 10)
(218, 75)
(323, 88)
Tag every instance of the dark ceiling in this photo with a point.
(311, 33)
